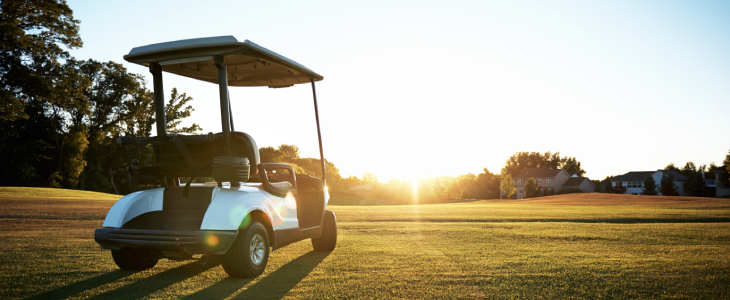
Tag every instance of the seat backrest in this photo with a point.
(243, 145)
(171, 161)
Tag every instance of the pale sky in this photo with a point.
(451, 87)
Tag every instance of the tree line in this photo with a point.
(485, 185)
(59, 115)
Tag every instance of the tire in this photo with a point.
(328, 240)
(134, 259)
(249, 253)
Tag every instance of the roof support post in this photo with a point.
(225, 104)
(319, 135)
(159, 92)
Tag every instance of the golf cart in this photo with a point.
(251, 208)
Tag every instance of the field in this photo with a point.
(573, 246)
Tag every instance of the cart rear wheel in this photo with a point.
(134, 258)
(249, 253)
(328, 240)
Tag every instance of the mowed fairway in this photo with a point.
(576, 246)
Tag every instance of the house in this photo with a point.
(633, 182)
(361, 189)
(582, 183)
(548, 178)
(720, 189)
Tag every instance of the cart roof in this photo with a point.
(248, 64)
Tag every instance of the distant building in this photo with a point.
(634, 181)
(547, 178)
(582, 183)
(720, 189)
(361, 189)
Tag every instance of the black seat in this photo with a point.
(192, 155)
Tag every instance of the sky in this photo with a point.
(438, 88)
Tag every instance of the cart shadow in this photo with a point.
(81, 286)
(273, 286)
(146, 286)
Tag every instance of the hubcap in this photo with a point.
(257, 250)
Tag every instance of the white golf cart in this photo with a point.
(251, 209)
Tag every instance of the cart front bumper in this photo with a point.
(188, 242)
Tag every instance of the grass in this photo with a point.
(574, 246)
(28, 192)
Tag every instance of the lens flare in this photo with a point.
(236, 214)
(212, 240)
(414, 189)
(290, 201)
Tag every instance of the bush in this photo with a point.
(569, 191)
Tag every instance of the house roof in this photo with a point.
(641, 175)
(633, 176)
(538, 172)
(360, 187)
(575, 181)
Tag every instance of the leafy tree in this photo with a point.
(688, 170)
(508, 185)
(697, 185)
(290, 152)
(725, 175)
(522, 160)
(671, 166)
(72, 163)
(487, 185)
(369, 178)
(598, 185)
(270, 154)
(32, 33)
(176, 110)
(468, 183)
(667, 187)
(572, 166)
(532, 190)
(650, 187)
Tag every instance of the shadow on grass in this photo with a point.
(146, 286)
(273, 286)
(81, 286)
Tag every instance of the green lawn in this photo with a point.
(6, 192)
(573, 246)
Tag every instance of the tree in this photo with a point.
(532, 190)
(522, 160)
(725, 176)
(667, 187)
(650, 187)
(31, 35)
(607, 185)
(508, 185)
(270, 154)
(688, 170)
(598, 185)
(488, 185)
(671, 166)
(176, 110)
(369, 178)
(572, 166)
(290, 152)
(697, 185)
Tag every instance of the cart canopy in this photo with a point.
(248, 64)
